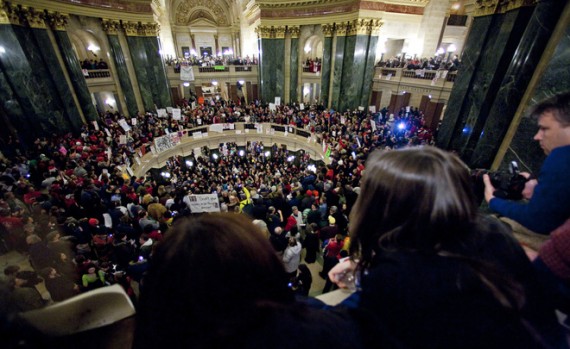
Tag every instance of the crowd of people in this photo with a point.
(91, 64)
(208, 61)
(383, 212)
(432, 63)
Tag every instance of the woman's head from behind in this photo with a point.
(416, 198)
(208, 272)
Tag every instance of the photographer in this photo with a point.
(548, 197)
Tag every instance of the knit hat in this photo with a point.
(93, 221)
(332, 220)
(309, 193)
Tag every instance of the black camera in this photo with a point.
(508, 184)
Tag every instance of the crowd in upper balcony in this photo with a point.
(209, 61)
(91, 64)
(432, 63)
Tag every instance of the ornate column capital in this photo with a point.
(295, 31)
(111, 27)
(57, 20)
(34, 18)
(263, 32)
(375, 25)
(328, 30)
(279, 32)
(149, 29)
(12, 13)
(489, 7)
(131, 28)
(341, 29)
(359, 27)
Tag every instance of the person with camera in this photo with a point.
(548, 204)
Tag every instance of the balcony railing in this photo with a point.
(421, 74)
(97, 73)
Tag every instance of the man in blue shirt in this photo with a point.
(548, 204)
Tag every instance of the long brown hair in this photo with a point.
(207, 274)
(414, 198)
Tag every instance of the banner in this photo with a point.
(186, 73)
(166, 142)
(204, 203)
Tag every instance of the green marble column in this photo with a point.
(118, 56)
(368, 71)
(358, 66)
(326, 64)
(140, 63)
(156, 70)
(516, 80)
(10, 105)
(58, 22)
(554, 79)
(351, 70)
(272, 67)
(294, 64)
(25, 73)
(499, 59)
(61, 88)
(338, 65)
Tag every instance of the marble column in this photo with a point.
(112, 29)
(140, 64)
(357, 61)
(271, 64)
(340, 30)
(26, 80)
(294, 64)
(58, 22)
(500, 57)
(163, 98)
(551, 77)
(373, 30)
(62, 91)
(21, 121)
(328, 30)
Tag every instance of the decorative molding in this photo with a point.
(328, 30)
(149, 29)
(279, 32)
(491, 7)
(4, 19)
(341, 29)
(34, 18)
(312, 3)
(131, 28)
(111, 27)
(189, 10)
(57, 20)
(295, 31)
(13, 14)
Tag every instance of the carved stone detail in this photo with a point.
(295, 31)
(341, 29)
(34, 18)
(111, 27)
(490, 7)
(328, 30)
(131, 28)
(187, 10)
(279, 32)
(149, 29)
(264, 32)
(57, 20)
